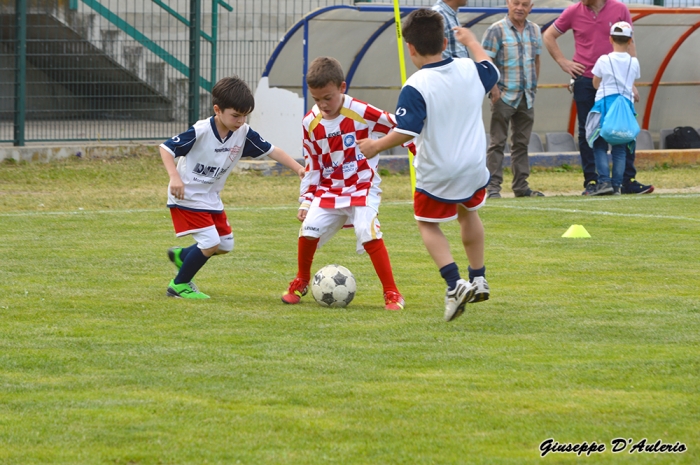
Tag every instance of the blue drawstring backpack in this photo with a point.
(619, 125)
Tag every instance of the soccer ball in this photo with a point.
(333, 286)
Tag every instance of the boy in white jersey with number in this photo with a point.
(440, 105)
(341, 187)
(206, 154)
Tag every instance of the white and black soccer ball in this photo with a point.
(333, 286)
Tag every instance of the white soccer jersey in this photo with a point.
(440, 105)
(337, 174)
(205, 161)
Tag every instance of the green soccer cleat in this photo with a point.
(184, 291)
(174, 256)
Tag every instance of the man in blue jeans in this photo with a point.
(590, 22)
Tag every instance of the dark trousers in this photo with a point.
(521, 119)
(584, 96)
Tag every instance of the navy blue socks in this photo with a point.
(474, 273)
(450, 273)
(192, 262)
(187, 250)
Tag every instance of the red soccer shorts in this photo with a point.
(189, 222)
(434, 211)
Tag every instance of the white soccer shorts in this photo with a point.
(323, 223)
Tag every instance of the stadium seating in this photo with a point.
(560, 142)
(644, 141)
(535, 144)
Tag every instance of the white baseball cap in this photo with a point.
(626, 29)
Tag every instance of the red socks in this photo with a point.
(382, 265)
(305, 257)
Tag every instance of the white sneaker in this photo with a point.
(478, 290)
(456, 299)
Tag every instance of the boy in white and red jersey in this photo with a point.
(440, 105)
(206, 154)
(341, 187)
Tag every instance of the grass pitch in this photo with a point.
(584, 339)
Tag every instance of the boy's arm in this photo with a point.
(370, 148)
(469, 40)
(177, 187)
(596, 81)
(282, 157)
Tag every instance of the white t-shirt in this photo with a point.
(617, 72)
(204, 161)
(440, 105)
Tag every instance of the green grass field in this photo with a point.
(583, 340)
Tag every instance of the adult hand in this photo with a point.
(495, 95)
(571, 68)
(367, 147)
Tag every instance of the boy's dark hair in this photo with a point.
(233, 92)
(620, 39)
(424, 30)
(324, 70)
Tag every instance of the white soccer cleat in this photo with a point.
(456, 299)
(478, 290)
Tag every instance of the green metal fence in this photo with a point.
(110, 70)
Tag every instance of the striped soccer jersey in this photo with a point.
(205, 161)
(337, 174)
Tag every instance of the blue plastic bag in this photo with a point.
(619, 124)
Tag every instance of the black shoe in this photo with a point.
(635, 187)
(605, 188)
(530, 193)
(591, 187)
(616, 190)
(494, 195)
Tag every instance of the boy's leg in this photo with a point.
(472, 232)
(439, 249)
(317, 223)
(430, 213)
(600, 152)
(376, 249)
(436, 243)
(619, 154)
(209, 231)
(368, 233)
(306, 249)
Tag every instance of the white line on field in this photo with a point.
(595, 212)
(498, 204)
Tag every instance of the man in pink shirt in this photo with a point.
(590, 21)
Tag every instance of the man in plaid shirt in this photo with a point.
(448, 10)
(514, 44)
(341, 186)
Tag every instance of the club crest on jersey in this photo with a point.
(349, 140)
(234, 152)
(400, 111)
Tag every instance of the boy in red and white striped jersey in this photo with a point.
(341, 186)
